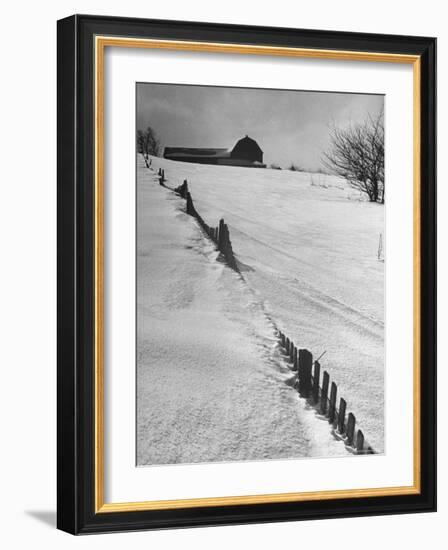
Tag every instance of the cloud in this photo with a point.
(290, 126)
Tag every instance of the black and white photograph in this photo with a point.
(219, 292)
(260, 274)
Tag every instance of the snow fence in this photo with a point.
(219, 235)
(308, 386)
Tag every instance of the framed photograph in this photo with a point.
(246, 274)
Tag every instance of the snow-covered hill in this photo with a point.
(307, 248)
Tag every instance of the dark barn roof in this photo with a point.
(247, 148)
(188, 151)
(246, 152)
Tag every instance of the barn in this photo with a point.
(246, 152)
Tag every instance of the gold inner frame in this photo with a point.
(101, 42)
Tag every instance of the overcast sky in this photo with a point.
(289, 126)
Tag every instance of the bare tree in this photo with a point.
(357, 154)
(148, 143)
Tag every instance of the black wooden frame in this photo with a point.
(76, 268)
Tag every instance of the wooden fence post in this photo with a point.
(287, 345)
(324, 393)
(295, 361)
(300, 368)
(359, 441)
(291, 352)
(305, 366)
(225, 245)
(220, 233)
(350, 428)
(226, 241)
(316, 380)
(341, 415)
(224, 237)
(190, 207)
(332, 409)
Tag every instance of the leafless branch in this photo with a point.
(148, 143)
(357, 154)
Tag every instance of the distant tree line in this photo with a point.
(357, 154)
(148, 143)
(293, 167)
(296, 168)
